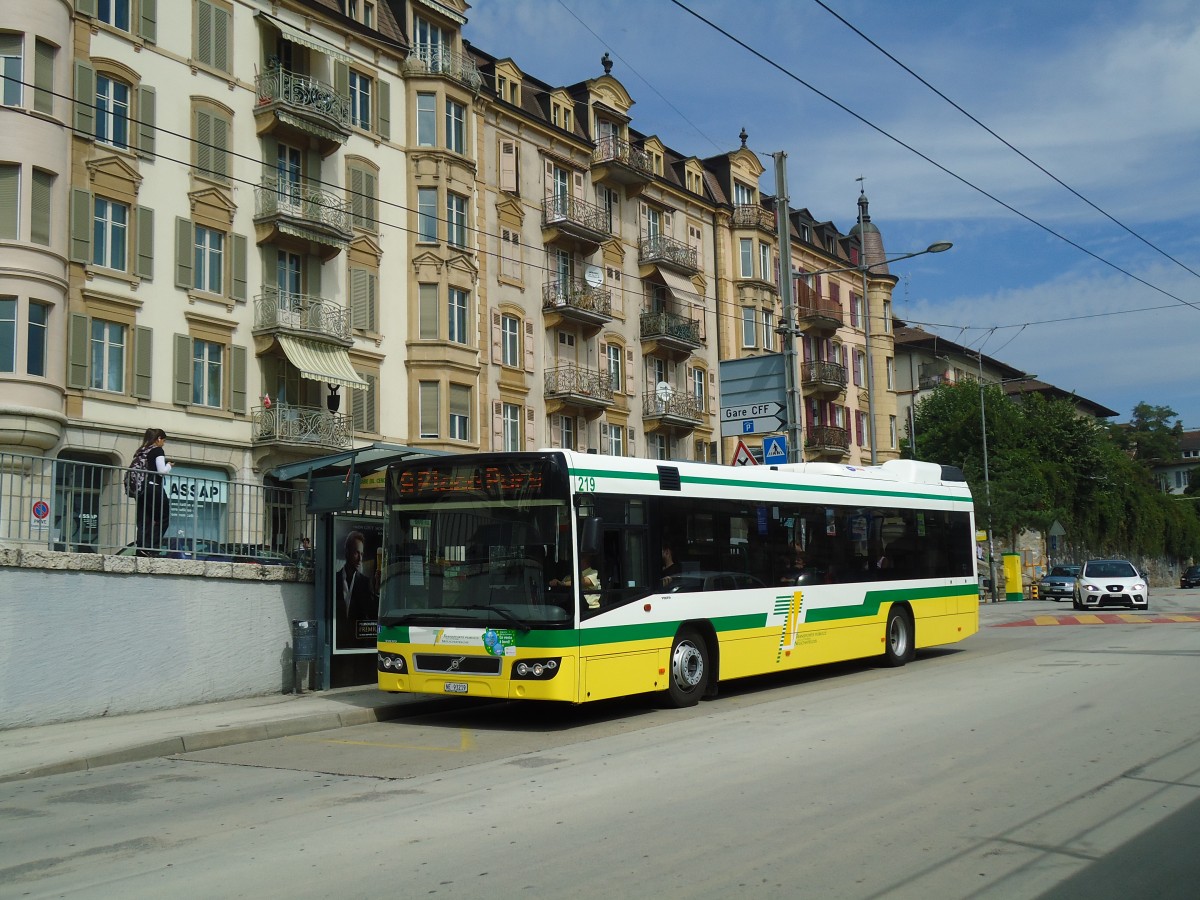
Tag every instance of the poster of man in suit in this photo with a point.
(356, 584)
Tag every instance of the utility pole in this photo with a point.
(788, 332)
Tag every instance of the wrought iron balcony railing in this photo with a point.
(678, 405)
(658, 249)
(826, 437)
(304, 95)
(580, 382)
(276, 308)
(671, 325)
(568, 210)
(576, 294)
(308, 425)
(301, 199)
(822, 372)
(437, 60)
(612, 149)
(751, 215)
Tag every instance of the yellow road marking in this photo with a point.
(1090, 619)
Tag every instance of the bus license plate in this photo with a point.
(456, 687)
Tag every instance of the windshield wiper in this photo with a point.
(503, 613)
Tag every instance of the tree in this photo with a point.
(1150, 434)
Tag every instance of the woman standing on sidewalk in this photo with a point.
(152, 499)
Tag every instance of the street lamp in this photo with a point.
(864, 268)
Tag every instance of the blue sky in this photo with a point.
(1105, 95)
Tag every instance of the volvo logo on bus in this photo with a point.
(455, 663)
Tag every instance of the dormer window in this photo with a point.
(656, 162)
(560, 115)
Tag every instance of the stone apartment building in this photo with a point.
(282, 229)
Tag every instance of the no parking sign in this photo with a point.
(41, 514)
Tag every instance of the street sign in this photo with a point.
(775, 451)
(742, 456)
(751, 411)
(761, 425)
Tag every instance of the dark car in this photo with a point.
(1059, 584)
(1190, 577)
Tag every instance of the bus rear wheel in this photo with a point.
(899, 640)
(690, 670)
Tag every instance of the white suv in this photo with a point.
(1103, 582)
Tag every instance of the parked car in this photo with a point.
(1059, 584)
(688, 582)
(1190, 577)
(1111, 582)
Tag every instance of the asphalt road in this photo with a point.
(1033, 760)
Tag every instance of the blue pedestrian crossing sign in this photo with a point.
(775, 451)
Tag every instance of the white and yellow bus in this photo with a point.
(557, 575)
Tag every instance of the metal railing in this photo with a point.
(81, 507)
(436, 60)
(579, 381)
(306, 425)
(753, 216)
(613, 149)
(658, 248)
(576, 294)
(670, 325)
(679, 405)
(277, 308)
(568, 210)
(304, 94)
(821, 371)
(302, 199)
(826, 437)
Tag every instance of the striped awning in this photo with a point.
(682, 288)
(304, 39)
(320, 362)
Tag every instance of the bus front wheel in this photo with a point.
(899, 644)
(689, 669)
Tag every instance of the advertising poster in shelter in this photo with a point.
(358, 548)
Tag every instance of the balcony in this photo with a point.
(672, 331)
(931, 375)
(751, 215)
(815, 313)
(296, 104)
(571, 217)
(575, 386)
(578, 301)
(437, 60)
(301, 213)
(620, 162)
(821, 377)
(660, 250)
(302, 314)
(678, 409)
(307, 426)
(826, 441)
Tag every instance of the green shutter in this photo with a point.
(384, 111)
(43, 77)
(221, 39)
(145, 243)
(183, 369)
(77, 352)
(372, 382)
(237, 380)
(143, 361)
(81, 226)
(341, 79)
(358, 202)
(360, 288)
(204, 143)
(146, 129)
(220, 142)
(204, 27)
(183, 254)
(39, 206)
(148, 24)
(85, 100)
(371, 189)
(372, 301)
(240, 287)
(10, 184)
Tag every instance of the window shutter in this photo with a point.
(220, 156)
(43, 77)
(204, 143)
(383, 112)
(312, 276)
(556, 423)
(549, 179)
(145, 242)
(497, 356)
(357, 198)
(604, 438)
(237, 380)
(508, 166)
(712, 393)
(360, 297)
(371, 188)
(240, 283)
(578, 181)
(220, 39)
(581, 430)
(86, 7)
(204, 25)
(148, 23)
(77, 363)
(39, 206)
(370, 393)
(358, 409)
(630, 387)
(183, 254)
(531, 440)
(497, 425)
(630, 449)
(528, 346)
(85, 100)
(341, 80)
(10, 199)
(81, 226)
(183, 370)
(143, 361)
(146, 130)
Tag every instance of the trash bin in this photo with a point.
(304, 647)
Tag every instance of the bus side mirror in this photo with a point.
(590, 536)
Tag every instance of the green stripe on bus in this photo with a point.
(875, 599)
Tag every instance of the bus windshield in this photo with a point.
(475, 546)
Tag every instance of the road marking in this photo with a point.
(1102, 619)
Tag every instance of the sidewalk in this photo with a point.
(76, 746)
